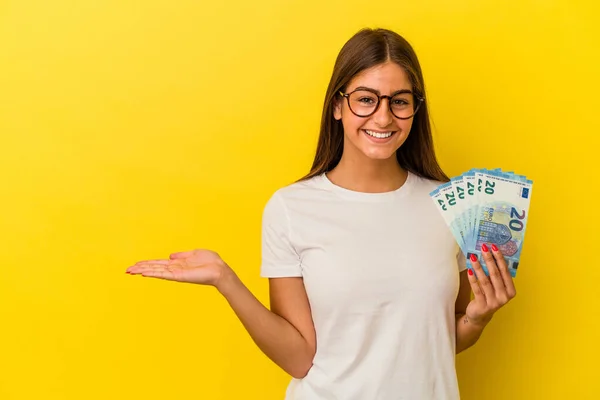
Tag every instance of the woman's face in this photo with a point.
(381, 134)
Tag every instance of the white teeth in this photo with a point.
(378, 135)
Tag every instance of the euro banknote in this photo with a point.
(486, 206)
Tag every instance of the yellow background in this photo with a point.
(132, 129)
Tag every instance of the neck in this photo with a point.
(369, 176)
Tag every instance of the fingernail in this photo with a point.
(484, 248)
(473, 257)
(494, 247)
(470, 271)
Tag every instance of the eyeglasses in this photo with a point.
(364, 102)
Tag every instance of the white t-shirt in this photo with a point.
(381, 271)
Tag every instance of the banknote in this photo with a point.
(448, 204)
(488, 206)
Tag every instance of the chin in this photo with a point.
(379, 154)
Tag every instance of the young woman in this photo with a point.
(370, 294)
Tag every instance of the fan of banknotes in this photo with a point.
(486, 206)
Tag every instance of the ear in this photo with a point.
(337, 108)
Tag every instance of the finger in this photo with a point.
(504, 273)
(152, 262)
(139, 268)
(484, 282)
(494, 274)
(477, 292)
(158, 260)
(161, 274)
(145, 263)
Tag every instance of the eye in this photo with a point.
(401, 102)
(363, 98)
(366, 100)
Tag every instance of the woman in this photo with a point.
(370, 294)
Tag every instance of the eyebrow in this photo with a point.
(379, 93)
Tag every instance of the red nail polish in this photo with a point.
(494, 247)
(473, 257)
(470, 271)
(484, 248)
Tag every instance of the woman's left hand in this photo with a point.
(490, 292)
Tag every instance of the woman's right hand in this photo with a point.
(286, 336)
(200, 266)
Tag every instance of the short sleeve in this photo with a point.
(462, 260)
(278, 256)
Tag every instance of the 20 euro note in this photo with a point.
(502, 214)
(462, 207)
(446, 201)
(470, 205)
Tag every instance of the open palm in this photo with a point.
(198, 266)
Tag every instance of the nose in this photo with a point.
(383, 117)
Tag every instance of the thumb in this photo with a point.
(182, 254)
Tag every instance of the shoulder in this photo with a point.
(307, 189)
(297, 193)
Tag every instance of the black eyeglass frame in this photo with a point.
(419, 101)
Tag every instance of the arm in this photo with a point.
(286, 333)
(467, 332)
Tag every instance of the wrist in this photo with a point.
(227, 279)
(477, 322)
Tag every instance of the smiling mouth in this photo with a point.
(379, 135)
